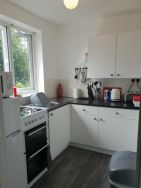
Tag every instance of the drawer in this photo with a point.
(91, 110)
(119, 113)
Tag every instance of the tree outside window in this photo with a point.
(21, 58)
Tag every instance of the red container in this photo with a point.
(14, 91)
(59, 91)
(137, 98)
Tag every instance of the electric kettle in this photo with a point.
(114, 94)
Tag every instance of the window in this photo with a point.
(22, 58)
(16, 55)
(4, 61)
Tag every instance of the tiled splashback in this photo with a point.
(69, 84)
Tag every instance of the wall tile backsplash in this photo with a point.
(69, 84)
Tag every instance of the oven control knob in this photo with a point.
(35, 119)
(32, 120)
(25, 123)
(43, 116)
(40, 118)
(29, 122)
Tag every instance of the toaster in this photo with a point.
(128, 98)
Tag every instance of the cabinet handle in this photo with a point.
(51, 114)
(83, 110)
(101, 119)
(111, 75)
(95, 119)
(118, 74)
(117, 113)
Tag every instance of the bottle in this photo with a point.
(59, 91)
(14, 91)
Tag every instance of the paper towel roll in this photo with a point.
(75, 93)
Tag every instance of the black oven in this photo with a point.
(37, 150)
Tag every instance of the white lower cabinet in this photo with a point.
(84, 125)
(118, 134)
(59, 127)
(107, 128)
(102, 127)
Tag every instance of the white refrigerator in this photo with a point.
(13, 163)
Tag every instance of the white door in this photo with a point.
(101, 56)
(84, 125)
(59, 126)
(118, 134)
(128, 61)
(11, 112)
(16, 162)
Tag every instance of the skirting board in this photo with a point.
(100, 150)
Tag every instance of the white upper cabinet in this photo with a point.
(115, 56)
(101, 58)
(128, 61)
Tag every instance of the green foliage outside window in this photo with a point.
(21, 62)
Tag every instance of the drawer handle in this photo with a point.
(38, 151)
(30, 134)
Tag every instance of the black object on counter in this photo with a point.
(90, 92)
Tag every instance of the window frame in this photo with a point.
(6, 65)
(32, 68)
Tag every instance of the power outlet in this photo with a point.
(137, 80)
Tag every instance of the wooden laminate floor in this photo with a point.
(76, 168)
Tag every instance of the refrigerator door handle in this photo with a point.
(14, 133)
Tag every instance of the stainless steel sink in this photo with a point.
(52, 104)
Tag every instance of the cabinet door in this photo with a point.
(84, 125)
(16, 162)
(128, 62)
(59, 126)
(118, 134)
(101, 58)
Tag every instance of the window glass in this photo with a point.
(1, 53)
(22, 58)
(4, 59)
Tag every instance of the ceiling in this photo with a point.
(87, 10)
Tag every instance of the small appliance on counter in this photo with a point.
(136, 100)
(112, 94)
(6, 84)
(128, 97)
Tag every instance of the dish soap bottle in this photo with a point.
(59, 91)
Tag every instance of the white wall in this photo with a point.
(49, 31)
(73, 41)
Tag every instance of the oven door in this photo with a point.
(35, 139)
(37, 163)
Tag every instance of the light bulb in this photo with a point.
(71, 4)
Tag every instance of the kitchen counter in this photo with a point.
(86, 101)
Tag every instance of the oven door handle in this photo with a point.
(30, 134)
(38, 151)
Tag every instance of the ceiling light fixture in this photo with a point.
(71, 4)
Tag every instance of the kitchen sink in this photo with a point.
(51, 104)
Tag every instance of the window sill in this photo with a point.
(25, 93)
